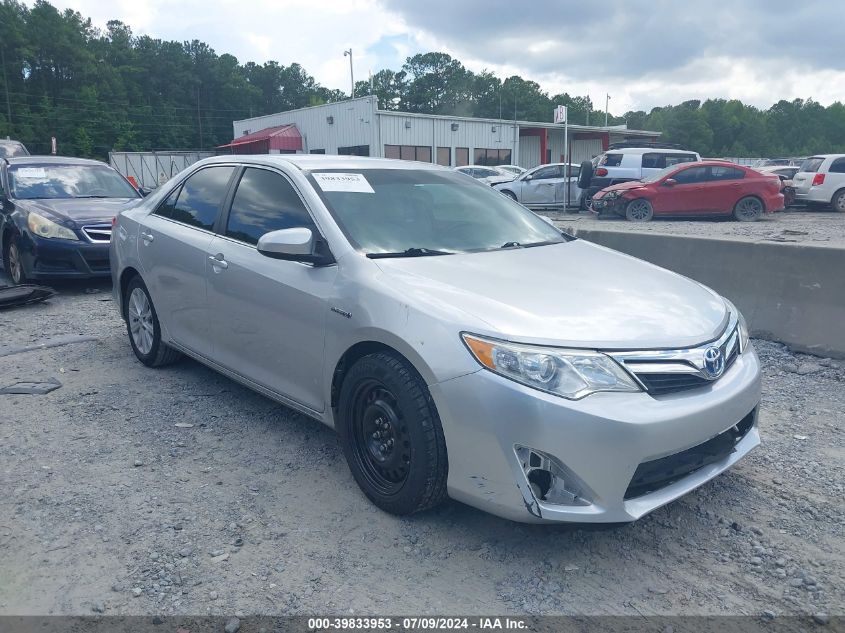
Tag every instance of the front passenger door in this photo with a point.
(541, 188)
(269, 314)
(685, 196)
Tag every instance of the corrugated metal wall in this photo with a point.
(585, 149)
(400, 129)
(354, 123)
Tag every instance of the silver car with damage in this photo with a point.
(459, 344)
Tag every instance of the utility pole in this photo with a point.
(199, 118)
(606, 104)
(351, 73)
(6, 85)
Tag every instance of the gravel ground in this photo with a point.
(821, 227)
(176, 491)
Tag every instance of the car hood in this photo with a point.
(574, 294)
(625, 186)
(78, 211)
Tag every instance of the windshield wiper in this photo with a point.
(529, 245)
(410, 252)
(92, 196)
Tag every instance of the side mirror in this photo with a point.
(528, 177)
(297, 244)
(670, 182)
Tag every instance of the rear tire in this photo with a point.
(143, 327)
(13, 263)
(748, 209)
(838, 201)
(391, 435)
(639, 210)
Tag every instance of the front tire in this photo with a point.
(13, 262)
(510, 194)
(639, 210)
(391, 435)
(143, 327)
(748, 209)
(838, 201)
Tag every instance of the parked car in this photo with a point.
(488, 175)
(516, 170)
(10, 148)
(424, 316)
(697, 189)
(627, 164)
(821, 181)
(57, 214)
(544, 186)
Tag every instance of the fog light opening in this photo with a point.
(549, 480)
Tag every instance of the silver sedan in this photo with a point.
(439, 328)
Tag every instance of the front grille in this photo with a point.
(98, 232)
(659, 473)
(661, 384)
(664, 372)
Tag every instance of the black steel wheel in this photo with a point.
(391, 434)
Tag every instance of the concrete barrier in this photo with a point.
(789, 292)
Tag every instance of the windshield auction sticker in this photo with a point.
(30, 172)
(349, 183)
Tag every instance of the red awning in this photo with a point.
(281, 137)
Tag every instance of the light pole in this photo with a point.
(606, 104)
(351, 74)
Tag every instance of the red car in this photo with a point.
(702, 188)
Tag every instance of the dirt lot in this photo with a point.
(176, 491)
(817, 227)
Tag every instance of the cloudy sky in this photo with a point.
(643, 53)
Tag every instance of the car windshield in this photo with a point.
(10, 150)
(53, 181)
(661, 174)
(414, 212)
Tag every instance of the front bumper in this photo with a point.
(64, 259)
(609, 205)
(601, 439)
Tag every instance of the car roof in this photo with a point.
(52, 160)
(648, 150)
(712, 163)
(825, 156)
(310, 162)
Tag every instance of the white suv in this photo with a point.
(625, 164)
(821, 181)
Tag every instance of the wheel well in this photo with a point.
(350, 357)
(125, 277)
(508, 192)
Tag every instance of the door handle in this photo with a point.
(217, 261)
(147, 237)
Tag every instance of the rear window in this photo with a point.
(611, 160)
(812, 164)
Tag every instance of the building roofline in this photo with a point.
(445, 117)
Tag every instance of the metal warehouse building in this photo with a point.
(358, 127)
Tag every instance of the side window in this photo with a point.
(691, 175)
(677, 159)
(165, 209)
(264, 201)
(653, 161)
(547, 173)
(837, 166)
(200, 197)
(611, 160)
(725, 173)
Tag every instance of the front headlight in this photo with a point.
(611, 195)
(571, 374)
(43, 227)
(741, 326)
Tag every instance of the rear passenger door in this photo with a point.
(722, 189)
(268, 314)
(173, 248)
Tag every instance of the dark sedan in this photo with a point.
(57, 216)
